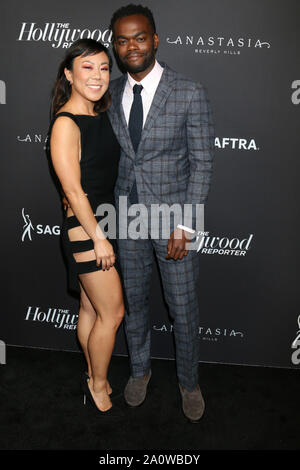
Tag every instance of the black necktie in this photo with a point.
(135, 125)
(136, 117)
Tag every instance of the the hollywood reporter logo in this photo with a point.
(57, 317)
(61, 34)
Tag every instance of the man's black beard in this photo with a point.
(149, 59)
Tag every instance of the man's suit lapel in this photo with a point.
(161, 94)
(118, 120)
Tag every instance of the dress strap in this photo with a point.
(65, 113)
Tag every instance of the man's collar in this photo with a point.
(151, 80)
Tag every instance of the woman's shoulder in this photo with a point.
(64, 122)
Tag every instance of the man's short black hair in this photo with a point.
(132, 9)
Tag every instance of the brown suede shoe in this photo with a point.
(136, 389)
(192, 403)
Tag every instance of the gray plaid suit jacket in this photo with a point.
(173, 163)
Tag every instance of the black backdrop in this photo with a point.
(246, 53)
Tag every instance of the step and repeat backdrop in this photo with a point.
(246, 53)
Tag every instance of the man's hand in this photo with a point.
(176, 244)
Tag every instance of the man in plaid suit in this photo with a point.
(164, 125)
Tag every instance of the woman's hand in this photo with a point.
(104, 254)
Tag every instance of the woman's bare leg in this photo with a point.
(86, 320)
(102, 292)
(103, 288)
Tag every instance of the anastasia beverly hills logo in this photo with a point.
(33, 138)
(57, 317)
(61, 34)
(39, 229)
(205, 333)
(216, 44)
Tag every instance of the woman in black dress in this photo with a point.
(85, 155)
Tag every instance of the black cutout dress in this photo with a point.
(100, 153)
